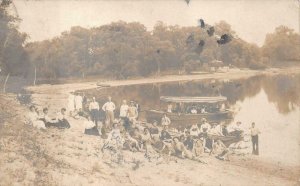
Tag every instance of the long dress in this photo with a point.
(71, 102)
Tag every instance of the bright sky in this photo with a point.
(251, 19)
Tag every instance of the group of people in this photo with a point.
(41, 120)
(195, 109)
(126, 132)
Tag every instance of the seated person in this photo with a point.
(132, 143)
(236, 129)
(90, 127)
(203, 110)
(198, 147)
(194, 130)
(205, 126)
(145, 138)
(189, 142)
(114, 140)
(220, 150)
(33, 119)
(179, 149)
(46, 119)
(216, 129)
(61, 118)
(154, 131)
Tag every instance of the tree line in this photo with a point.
(123, 50)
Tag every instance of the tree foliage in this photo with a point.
(121, 50)
(282, 45)
(13, 58)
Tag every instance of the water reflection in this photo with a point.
(281, 90)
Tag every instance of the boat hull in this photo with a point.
(180, 121)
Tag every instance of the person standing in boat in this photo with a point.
(254, 138)
(109, 108)
(165, 121)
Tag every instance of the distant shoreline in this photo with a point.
(230, 75)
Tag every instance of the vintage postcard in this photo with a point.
(150, 92)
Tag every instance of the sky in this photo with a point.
(251, 19)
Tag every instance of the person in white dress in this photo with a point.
(78, 101)
(71, 103)
(33, 119)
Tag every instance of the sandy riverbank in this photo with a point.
(68, 157)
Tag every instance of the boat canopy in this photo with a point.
(193, 99)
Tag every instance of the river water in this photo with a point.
(272, 102)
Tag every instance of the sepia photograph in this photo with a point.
(150, 92)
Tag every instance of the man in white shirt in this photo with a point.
(94, 110)
(254, 138)
(236, 129)
(109, 108)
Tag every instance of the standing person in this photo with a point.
(71, 103)
(254, 137)
(170, 108)
(194, 130)
(124, 114)
(165, 121)
(132, 112)
(78, 102)
(94, 110)
(109, 108)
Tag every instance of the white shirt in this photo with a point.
(254, 131)
(124, 110)
(217, 130)
(109, 106)
(94, 105)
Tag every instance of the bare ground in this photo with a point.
(68, 157)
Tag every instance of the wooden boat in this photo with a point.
(184, 119)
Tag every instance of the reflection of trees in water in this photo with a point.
(282, 90)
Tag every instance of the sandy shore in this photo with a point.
(68, 157)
